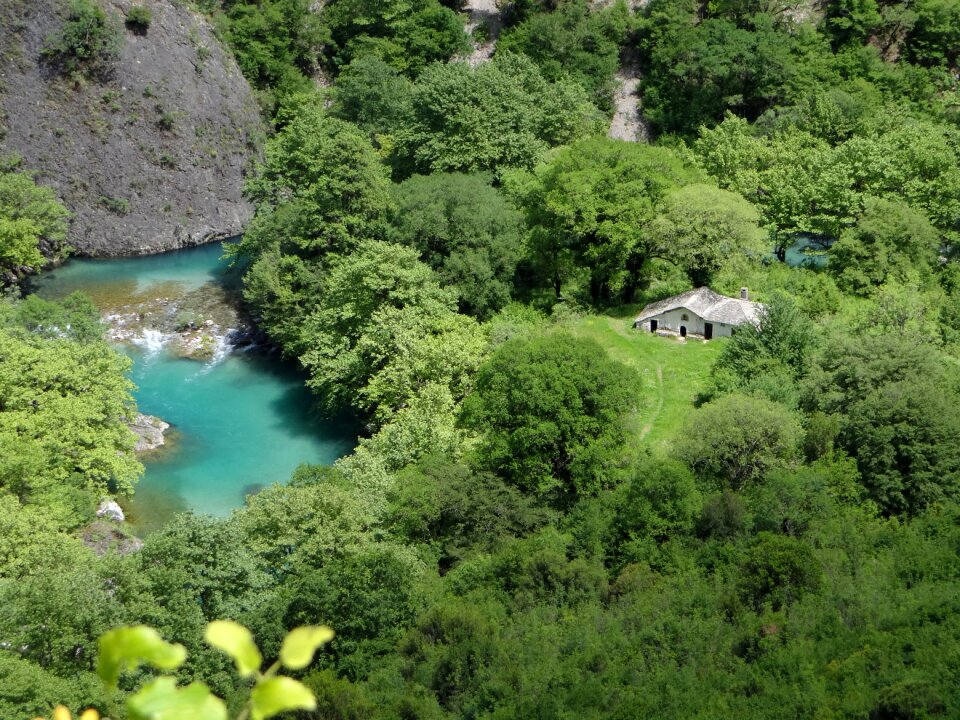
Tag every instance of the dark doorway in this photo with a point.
(653, 326)
(708, 331)
(683, 331)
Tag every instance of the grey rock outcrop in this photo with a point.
(110, 510)
(152, 160)
(149, 431)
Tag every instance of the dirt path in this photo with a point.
(628, 121)
(649, 426)
(483, 12)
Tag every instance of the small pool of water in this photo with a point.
(239, 422)
(808, 250)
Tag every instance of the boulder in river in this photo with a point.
(149, 431)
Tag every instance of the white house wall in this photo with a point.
(673, 319)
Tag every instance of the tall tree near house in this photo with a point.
(588, 206)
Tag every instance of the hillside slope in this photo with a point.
(150, 160)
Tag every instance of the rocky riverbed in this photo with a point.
(201, 324)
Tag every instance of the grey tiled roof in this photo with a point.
(711, 306)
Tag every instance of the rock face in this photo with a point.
(151, 160)
(149, 431)
(110, 510)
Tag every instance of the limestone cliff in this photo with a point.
(150, 160)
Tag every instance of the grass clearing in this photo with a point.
(672, 373)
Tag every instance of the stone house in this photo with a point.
(700, 313)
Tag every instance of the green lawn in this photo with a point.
(672, 372)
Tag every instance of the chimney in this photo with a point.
(744, 294)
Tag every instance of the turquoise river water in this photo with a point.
(240, 421)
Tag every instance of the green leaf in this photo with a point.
(126, 648)
(278, 695)
(301, 643)
(163, 700)
(237, 642)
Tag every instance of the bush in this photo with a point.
(88, 43)
(119, 206)
(138, 19)
(736, 439)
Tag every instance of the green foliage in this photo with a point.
(373, 591)
(891, 241)
(660, 503)
(87, 43)
(320, 190)
(455, 508)
(28, 690)
(803, 184)
(384, 330)
(778, 570)
(33, 225)
(897, 404)
(373, 95)
(701, 228)
(138, 19)
(124, 649)
(501, 114)
(64, 402)
(406, 34)
(576, 42)
(290, 528)
(551, 410)
(587, 207)
(853, 20)
(163, 699)
(543, 548)
(736, 439)
(329, 166)
(697, 71)
(276, 42)
(466, 231)
(780, 343)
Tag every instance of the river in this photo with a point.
(240, 419)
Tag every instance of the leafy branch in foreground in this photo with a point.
(127, 648)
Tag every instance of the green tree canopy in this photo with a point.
(501, 114)
(784, 337)
(702, 228)
(574, 41)
(321, 189)
(277, 43)
(466, 230)
(33, 224)
(588, 207)
(890, 241)
(374, 95)
(897, 403)
(700, 68)
(406, 34)
(736, 439)
(383, 329)
(64, 404)
(551, 413)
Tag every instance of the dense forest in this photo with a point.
(549, 514)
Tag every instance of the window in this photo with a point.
(684, 317)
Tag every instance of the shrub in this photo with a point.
(736, 439)
(88, 43)
(138, 19)
(167, 120)
(119, 206)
